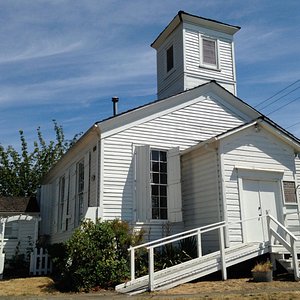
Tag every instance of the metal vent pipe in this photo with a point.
(115, 101)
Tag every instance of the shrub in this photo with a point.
(262, 267)
(96, 255)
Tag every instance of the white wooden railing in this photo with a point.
(220, 227)
(197, 232)
(287, 240)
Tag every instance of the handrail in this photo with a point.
(174, 235)
(150, 246)
(282, 227)
(290, 247)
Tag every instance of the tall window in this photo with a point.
(80, 190)
(209, 52)
(158, 172)
(62, 184)
(170, 58)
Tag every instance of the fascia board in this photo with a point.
(236, 104)
(281, 135)
(183, 17)
(210, 24)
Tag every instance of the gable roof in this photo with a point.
(186, 17)
(18, 205)
(161, 106)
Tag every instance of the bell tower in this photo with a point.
(192, 51)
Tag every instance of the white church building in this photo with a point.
(198, 155)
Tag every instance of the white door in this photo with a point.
(259, 196)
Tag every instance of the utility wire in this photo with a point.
(283, 106)
(292, 125)
(277, 93)
(276, 100)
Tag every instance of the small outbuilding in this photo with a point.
(19, 217)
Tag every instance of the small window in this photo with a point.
(209, 52)
(289, 188)
(11, 230)
(158, 175)
(170, 58)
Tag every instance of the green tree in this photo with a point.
(21, 172)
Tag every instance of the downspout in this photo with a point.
(98, 160)
(222, 192)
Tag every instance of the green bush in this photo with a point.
(96, 255)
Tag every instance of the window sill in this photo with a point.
(211, 68)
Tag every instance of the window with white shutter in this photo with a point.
(158, 184)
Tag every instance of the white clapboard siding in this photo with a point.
(171, 83)
(251, 149)
(200, 192)
(192, 53)
(184, 127)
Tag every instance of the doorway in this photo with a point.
(259, 196)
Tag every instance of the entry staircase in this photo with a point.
(281, 244)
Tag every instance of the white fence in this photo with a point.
(40, 262)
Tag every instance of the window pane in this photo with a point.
(155, 201)
(155, 166)
(163, 202)
(163, 167)
(154, 190)
(209, 52)
(155, 178)
(163, 156)
(163, 213)
(155, 213)
(163, 190)
(155, 155)
(163, 178)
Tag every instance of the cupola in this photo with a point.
(192, 51)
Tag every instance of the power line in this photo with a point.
(293, 125)
(276, 100)
(283, 106)
(277, 93)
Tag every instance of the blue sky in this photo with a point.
(65, 59)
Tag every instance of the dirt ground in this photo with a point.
(43, 288)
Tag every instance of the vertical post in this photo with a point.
(2, 255)
(269, 229)
(3, 222)
(295, 260)
(132, 263)
(46, 262)
(199, 246)
(151, 269)
(222, 253)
